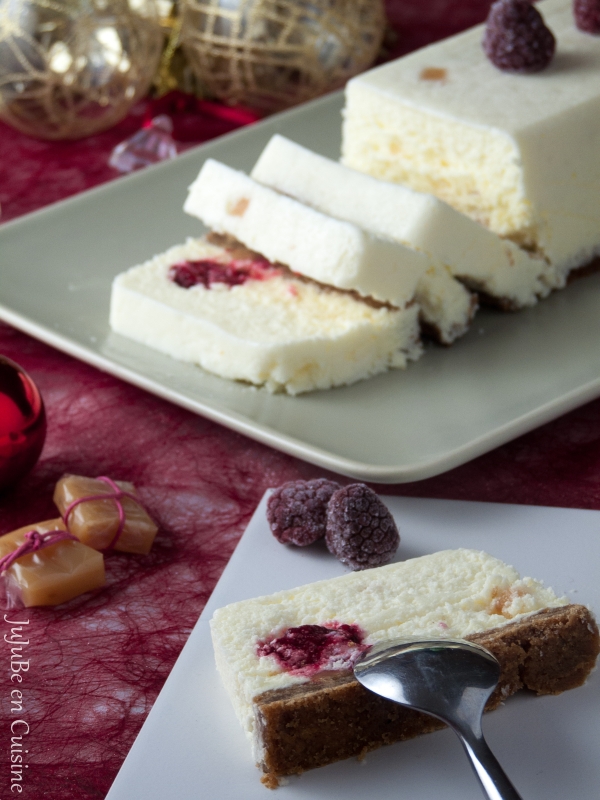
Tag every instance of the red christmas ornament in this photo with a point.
(22, 423)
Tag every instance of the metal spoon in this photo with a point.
(451, 679)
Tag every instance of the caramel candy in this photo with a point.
(52, 575)
(96, 522)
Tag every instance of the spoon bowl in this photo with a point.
(450, 679)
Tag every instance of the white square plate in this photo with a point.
(192, 746)
(511, 373)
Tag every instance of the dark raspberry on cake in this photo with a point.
(360, 532)
(587, 15)
(297, 511)
(516, 38)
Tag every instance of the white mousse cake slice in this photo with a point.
(518, 153)
(239, 316)
(286, 659)
(456, 245)
(446, 307)
(313, 244)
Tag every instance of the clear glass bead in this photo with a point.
(151, 144)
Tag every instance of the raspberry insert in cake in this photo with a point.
(285, 659)
(246, 319)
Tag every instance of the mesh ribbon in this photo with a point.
(117, 495)
(33, 542)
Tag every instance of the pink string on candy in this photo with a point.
(34, 541)
(117, 495)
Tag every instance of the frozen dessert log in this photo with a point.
(446, 307)
(308, 242)
(96, 522)
(248, 320)
(518, 153)
(52, 575)
(285, 659)
(453, 242)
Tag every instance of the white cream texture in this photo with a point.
(283, 230)
(284, 333)
(451, 593)
(455, 244)
(516, 152)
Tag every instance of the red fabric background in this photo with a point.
(98, 663)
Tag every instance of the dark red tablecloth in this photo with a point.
(97, 663)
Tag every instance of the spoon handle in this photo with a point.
(494, 781)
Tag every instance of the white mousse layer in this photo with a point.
(286, 333)
(452, 593)
(454, 243)
(516, 152)
(313, 244)
(446, 306)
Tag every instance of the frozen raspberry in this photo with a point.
(361, 532)
(297, 511)
(587, 15)
(516, 39)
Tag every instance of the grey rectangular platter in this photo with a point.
(510, 374)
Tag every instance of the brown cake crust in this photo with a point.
(590, 268)
(333, 717)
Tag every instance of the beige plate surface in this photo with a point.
(510, 374)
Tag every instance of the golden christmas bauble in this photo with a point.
(70, 68)
(272, 54)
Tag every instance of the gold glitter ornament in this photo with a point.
(272, 54)
(173, 71)
(70, 68)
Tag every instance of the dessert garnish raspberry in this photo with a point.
(307, 649)
(361, 532)
(516, 38)
(587, 15)
(297, 511)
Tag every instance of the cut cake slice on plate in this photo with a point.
(239, 316)
(456, 246)
(286, 659)
(313, 244)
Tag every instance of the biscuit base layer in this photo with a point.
(333, 717)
